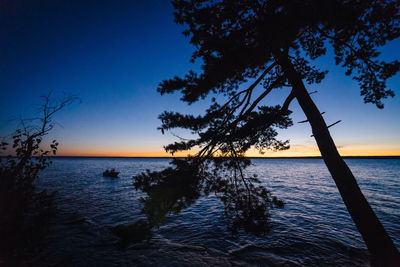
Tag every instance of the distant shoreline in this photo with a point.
(305, 157)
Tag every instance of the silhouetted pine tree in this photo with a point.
(273, 43)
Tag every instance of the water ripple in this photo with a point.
(313, 229)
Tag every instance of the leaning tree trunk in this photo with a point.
(380, 245)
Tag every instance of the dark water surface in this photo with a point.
(313, 229)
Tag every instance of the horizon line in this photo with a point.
(279, 157)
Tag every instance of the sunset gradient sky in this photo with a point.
(114, 54)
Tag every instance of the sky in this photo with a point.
(113, 55)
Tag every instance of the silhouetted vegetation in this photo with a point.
(26, 212)
(269, 43)
(173, 189)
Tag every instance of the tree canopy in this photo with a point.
(274, 43)
(239, 41)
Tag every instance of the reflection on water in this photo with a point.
(312, 229)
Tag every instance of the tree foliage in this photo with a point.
(238, 41)
(175, 188)
(25, 212)
(251, 42)
(235, 41)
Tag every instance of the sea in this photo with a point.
(313, 229)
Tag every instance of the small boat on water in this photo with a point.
(111, 173)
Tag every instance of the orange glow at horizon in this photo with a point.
(294, 151)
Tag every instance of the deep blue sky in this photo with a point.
(113, 54)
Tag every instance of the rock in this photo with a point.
(135, 232)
